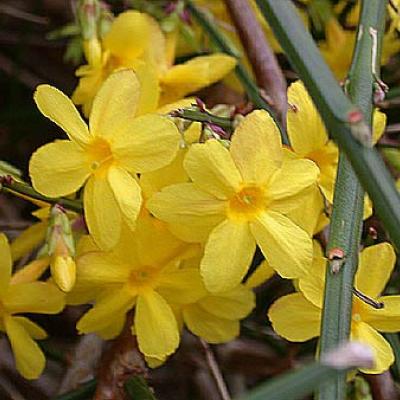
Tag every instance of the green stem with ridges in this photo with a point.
(223, 44)
(199, 116)
(336, 110)
(348, 203)
(12, 186)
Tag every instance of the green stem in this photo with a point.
(393, 93)
(13, 187)
(223, 44)
(336, 110)
(198, 116)
(348, 204)
(84, 392)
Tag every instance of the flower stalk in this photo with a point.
(348, 204)
(10, 185)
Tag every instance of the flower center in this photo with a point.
(100, 155)
(247, 203)
(143, 277)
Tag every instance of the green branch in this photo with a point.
(16, 187)
(343, 120)
(223, 44)
(203, 116)
(348, 204)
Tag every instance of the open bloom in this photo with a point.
(309, 137)
(105, 157)
(297, 317)
(136, 41)
(17, 298)
(139, 275)
(238, 198)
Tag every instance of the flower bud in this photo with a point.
(61, 249)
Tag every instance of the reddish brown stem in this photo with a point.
(268, 73)
(119, 362)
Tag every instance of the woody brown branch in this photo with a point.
(265, 66)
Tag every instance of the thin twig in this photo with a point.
(215, 371)
(20, 14)
(26, 77)
(267, 71)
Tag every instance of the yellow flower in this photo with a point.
(237, 199)
(213, 317)
(136, 41)
(105, 157)
(309, 139)
(297, 317)
(17, 298)
(139, 274)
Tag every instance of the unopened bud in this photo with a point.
(88, 13)
(63, 271)
(61, 248)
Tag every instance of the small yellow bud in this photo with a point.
(63, 270)
(92, 51)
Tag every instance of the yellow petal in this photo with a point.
(29, 358)
(63, 271)
(127, 194)
(305, 128)
(211, 168)
(195, 74)
(129, 35)
(59, 168)
(152, 182)
(256, 147)
(191, 213)
(149, 142)
(28, 240)
(31, 272)
(327, 160)
(102, 213)
(5, 263)
(295, 318)
(115, 104)
(33, 329)
(34, 297)
(149, 88)
(114, 328)
(379, 124)
(56, 106)
(155, 325)
(312, 285)
(181, 286)
(311, 218)
(286, 247)
(155, 54)
(376, 264)
(98, 318)
(232, 304)
(386, 319)
(209, 327)
(287, 184)
(262, 273)
(98, 269)
(227, 256)
(150, 230)
(384, 357)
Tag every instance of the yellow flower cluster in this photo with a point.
(173, 218)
